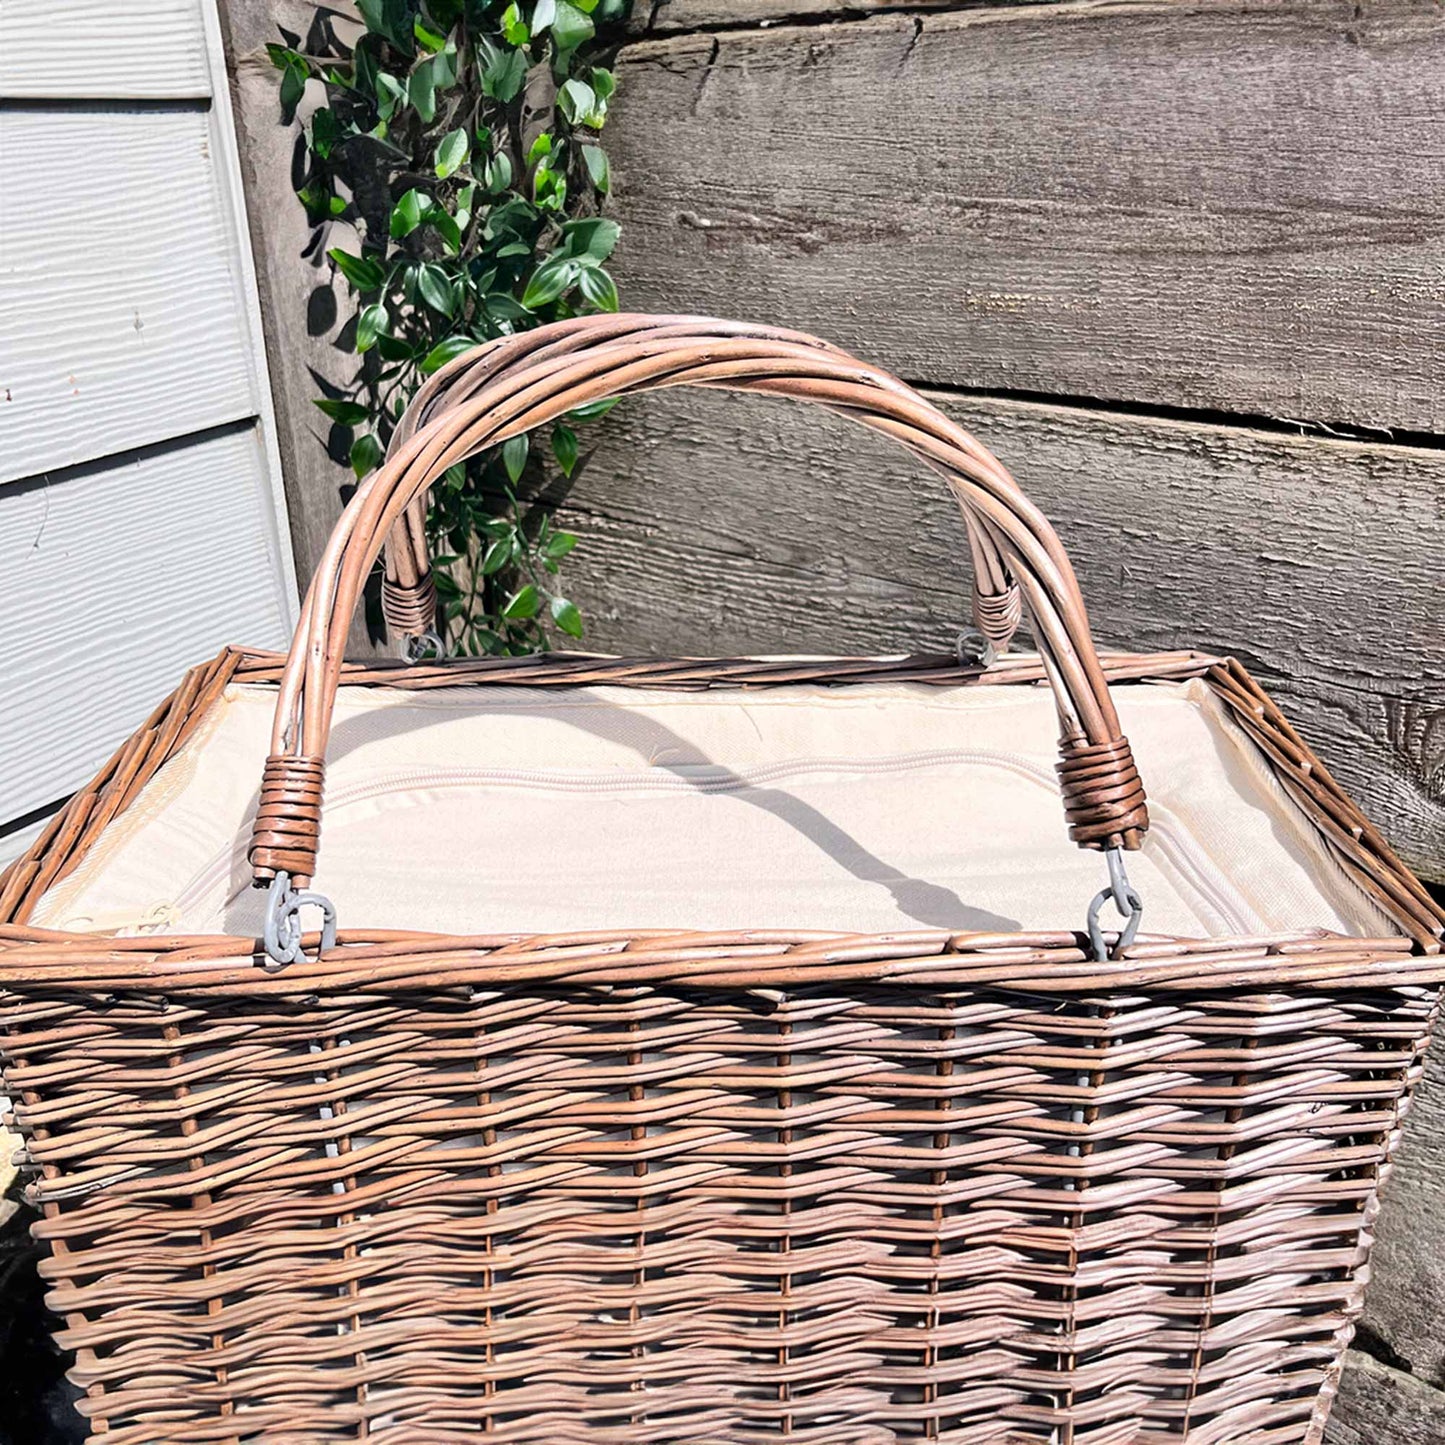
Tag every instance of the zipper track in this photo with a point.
(1174, 844)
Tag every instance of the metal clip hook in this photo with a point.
(975, 650)
(413, 647)
(1126, 900)
(282, 934)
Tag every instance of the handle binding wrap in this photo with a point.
(1103, 793)
(287, 830)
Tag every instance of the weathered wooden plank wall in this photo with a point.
(1183, 266)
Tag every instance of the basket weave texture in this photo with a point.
(652, 1187)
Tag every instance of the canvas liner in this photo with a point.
(880, 807)
(712, 1050)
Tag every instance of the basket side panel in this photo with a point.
(650, 1215)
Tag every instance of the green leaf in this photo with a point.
(498, 554)
(514, 455)
(595, 159)
(438, 216)
(343, 413)
(593, 409)
(566, 616)
(366, 273)
(444, 66)
(427, 36)
(542, 146)
(505, 307)
(577, 101)
(523, 605)
(603, 82)
(594, 237)
(549, 189)
(514, 27)
(390, 93)
(504, 75)
(465, 198)
(324, 132)
(570, 27)
(548, 282)
(387, 18)
(598, 288)
(371, 324)
(293, 86)
(421, 91)
(564, 448)
(444, 352)
(453, 151)
(499, 172)
(544, 12)
(558, 545)
(366, 455)
(436, 290)
(408, 212)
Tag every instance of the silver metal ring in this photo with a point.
(1127, 902)
(281, 933)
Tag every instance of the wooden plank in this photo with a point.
(122, 312)
(1380, 1406)
(98, 49)
(303, 305)
(715, 523)
(1406, 1302)
(672, 15)
(118, 578)
(1202, 204)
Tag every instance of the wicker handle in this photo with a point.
(408, 589)
(571, 364)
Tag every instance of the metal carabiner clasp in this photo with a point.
(975, 650)
(282, 932)
(1126, 899)
(414, 647)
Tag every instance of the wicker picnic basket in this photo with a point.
(710, 1050)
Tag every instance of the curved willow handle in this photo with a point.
(614, 356)
(408, 589)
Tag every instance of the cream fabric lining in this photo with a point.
(865, 808)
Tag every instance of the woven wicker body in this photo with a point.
(648, 1186)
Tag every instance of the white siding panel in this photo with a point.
(117, 579)
(121, 307)
(12, 845)
(103, 49)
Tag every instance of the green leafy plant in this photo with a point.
(460, 140)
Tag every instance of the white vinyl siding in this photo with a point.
(142, 521)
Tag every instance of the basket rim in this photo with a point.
(395, 961)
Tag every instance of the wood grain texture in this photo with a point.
(671, 15)
(1205, 204)
(305, 308)
(1377, 1405)
(118, 577)
(1409, 1258)
(714, 523)
(98, 49)
(121, 311)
